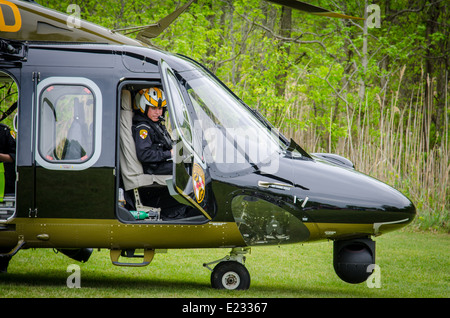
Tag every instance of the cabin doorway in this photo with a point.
(9, 98)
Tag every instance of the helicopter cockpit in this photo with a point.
(227, 133)
(234, 140)
(213, 132)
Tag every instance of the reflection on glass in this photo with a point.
(181, 113)
(236, 139)
(66, 123)
(262, 222)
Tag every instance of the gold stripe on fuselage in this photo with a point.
(74, 233)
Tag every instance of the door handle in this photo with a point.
(188, 158)
(275, 185)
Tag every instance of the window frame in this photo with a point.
(58, 164)
(181, 115)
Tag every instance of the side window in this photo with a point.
(181, 115)
(68, 124)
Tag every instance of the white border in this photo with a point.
(61, 165)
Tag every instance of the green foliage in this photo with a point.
(8, 95)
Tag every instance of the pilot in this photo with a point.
(154, 151)
(153, 142)
(8, 157)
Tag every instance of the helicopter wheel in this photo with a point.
(230, 275)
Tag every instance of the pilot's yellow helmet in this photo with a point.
(152, 97)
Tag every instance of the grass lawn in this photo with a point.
(412, 264)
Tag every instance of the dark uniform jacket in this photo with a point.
(153, 145)
(8, 146)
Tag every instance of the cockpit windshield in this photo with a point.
(234, 138)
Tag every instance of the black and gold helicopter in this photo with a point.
(78, 178)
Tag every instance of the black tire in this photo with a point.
(230, 275)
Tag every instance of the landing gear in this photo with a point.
(230, 275)
(230, 272)
(4, 261)
(6, 255)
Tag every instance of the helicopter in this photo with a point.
(78, 177)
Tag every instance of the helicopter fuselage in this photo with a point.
(67, 194)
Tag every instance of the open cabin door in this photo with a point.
(191, 182)
(12, 56)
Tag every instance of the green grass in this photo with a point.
(413, 264)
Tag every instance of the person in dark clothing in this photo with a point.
(8, 157)
(153, 143)
(154, 151)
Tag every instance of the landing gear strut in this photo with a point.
(230, 272)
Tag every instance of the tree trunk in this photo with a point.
(285, 31)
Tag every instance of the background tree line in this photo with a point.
(378, 96)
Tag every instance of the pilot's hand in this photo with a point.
(5, 157)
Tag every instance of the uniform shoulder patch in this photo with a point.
(143, 133)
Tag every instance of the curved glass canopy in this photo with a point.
(234, 136)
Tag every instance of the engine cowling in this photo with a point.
(351, 259)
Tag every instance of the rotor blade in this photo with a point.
(306, 7)
(153, 31)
